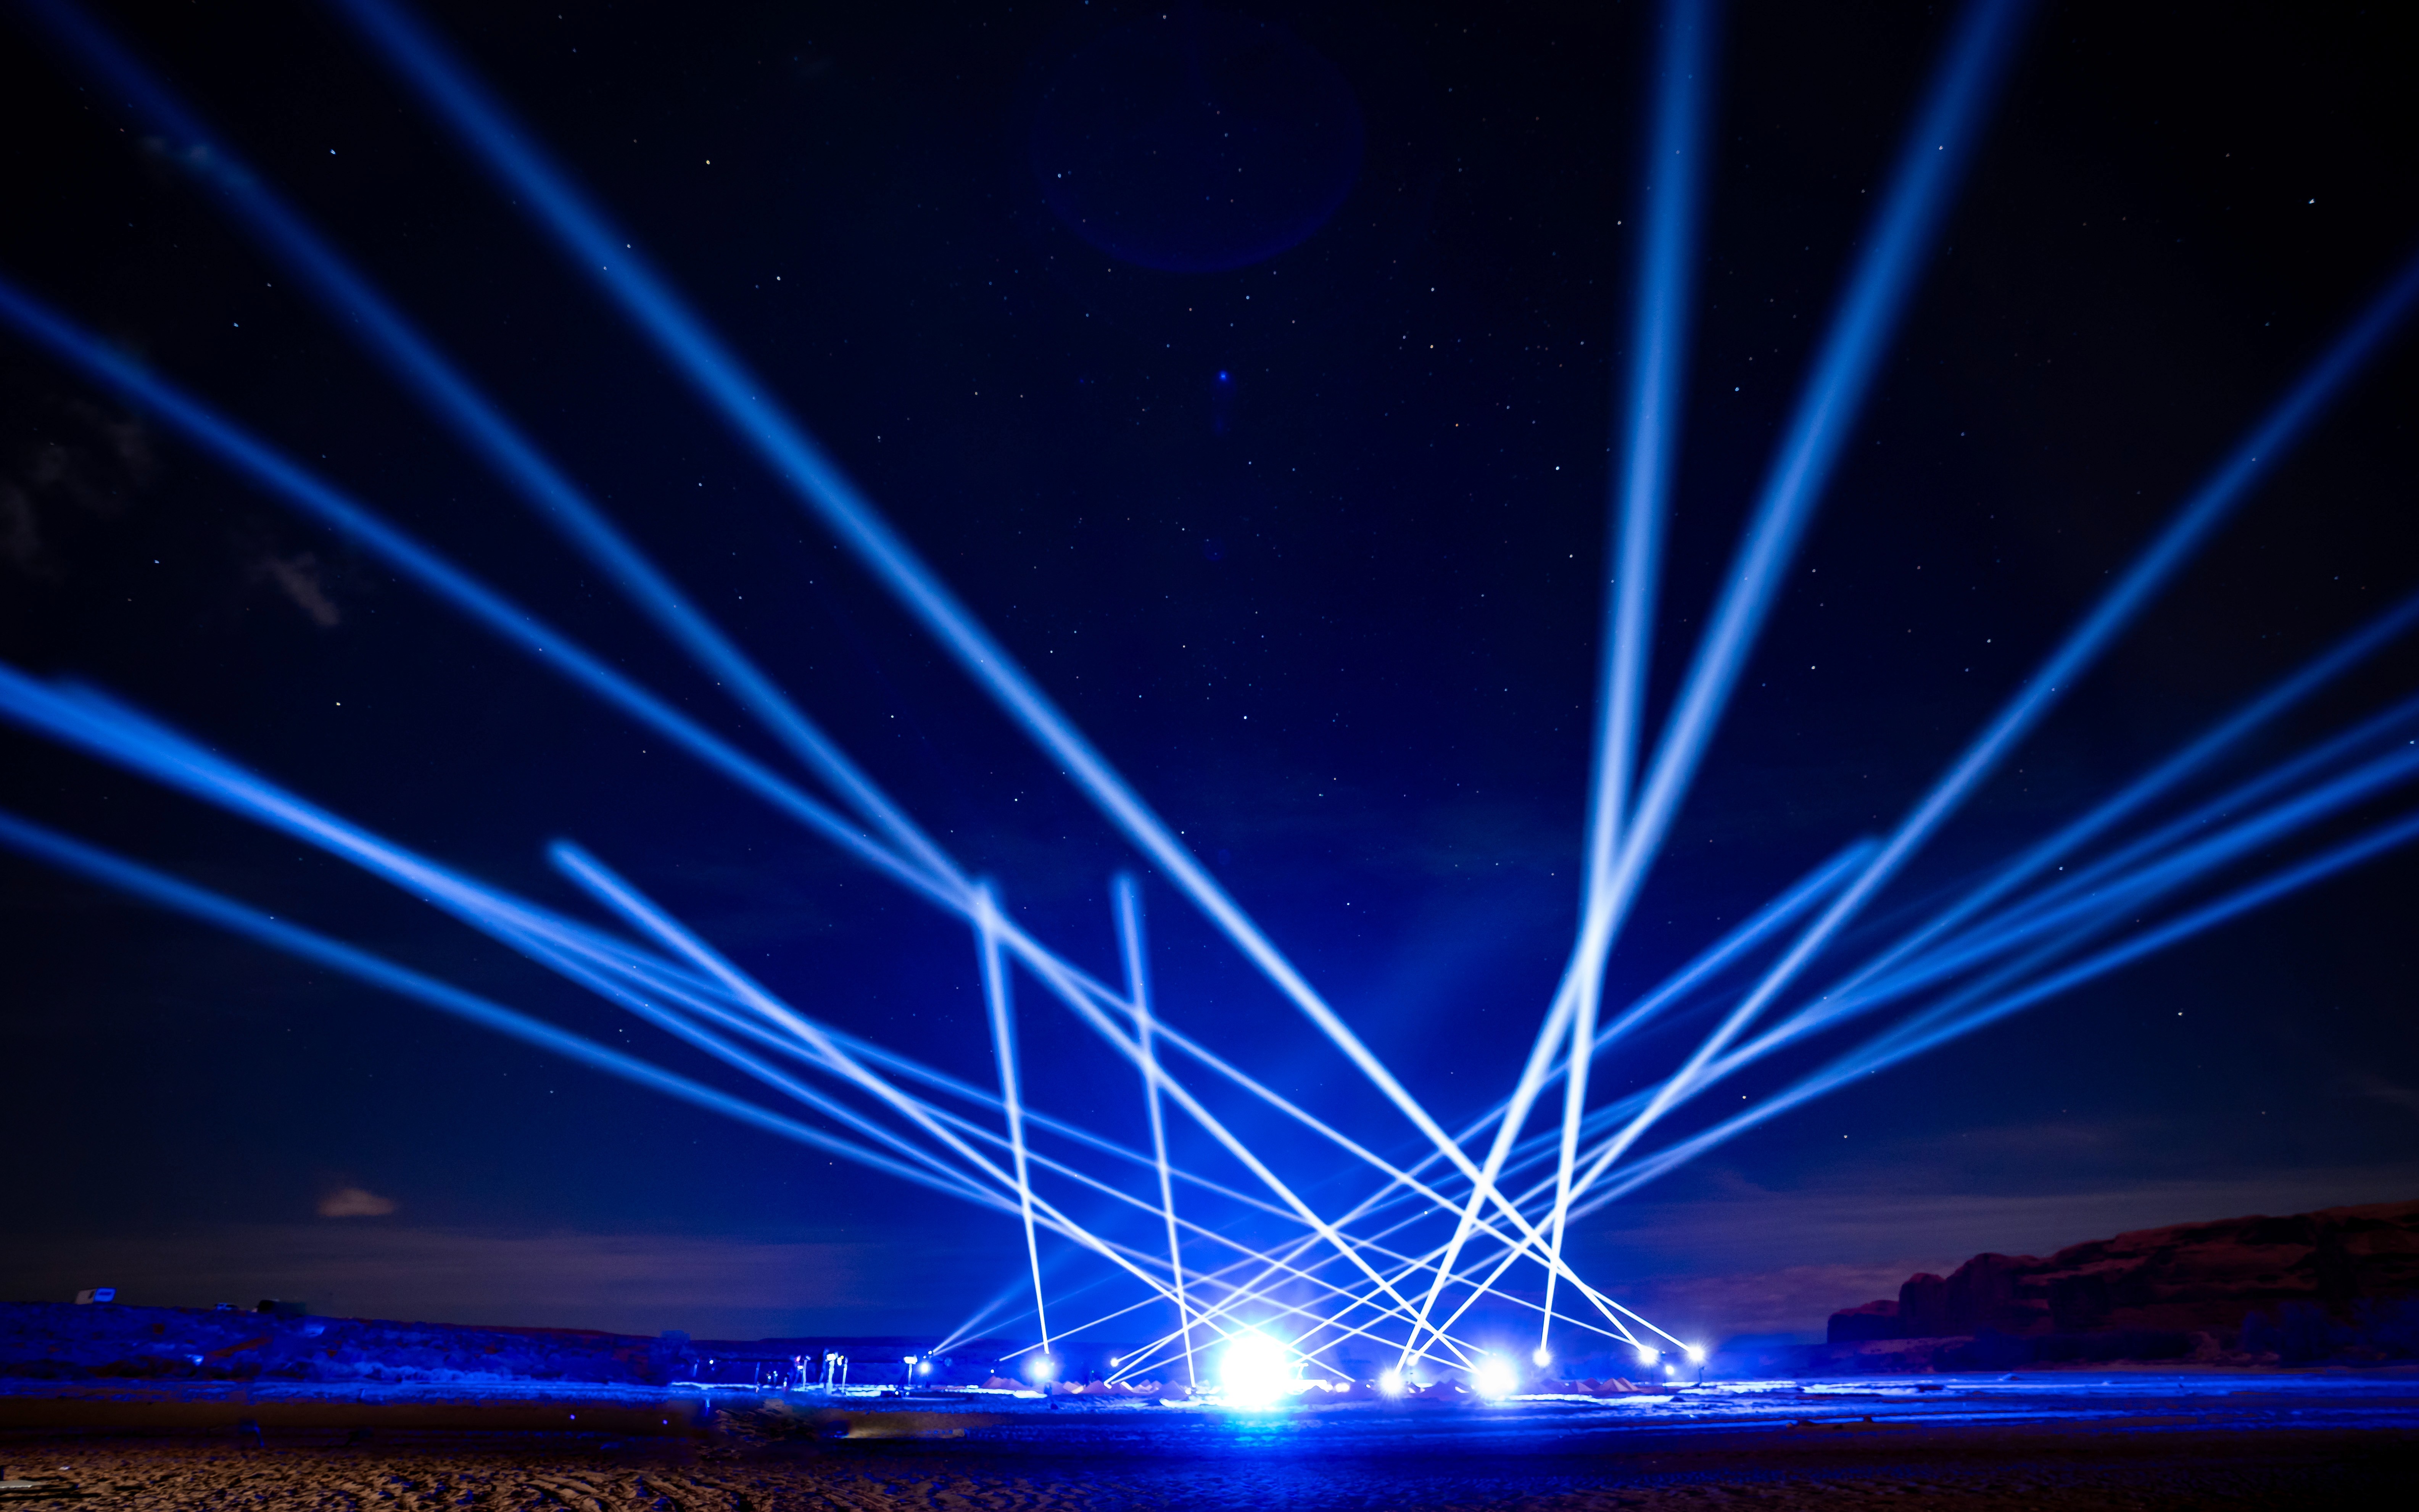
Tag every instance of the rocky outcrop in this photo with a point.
(58, 1341)
(1873, 1321)
(2227, 1279)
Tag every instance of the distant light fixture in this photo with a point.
(1646, 1356)
(1254, 1372)
(1495, 1379)
(1391, 1384)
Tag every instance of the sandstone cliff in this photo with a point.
(2229, 1280)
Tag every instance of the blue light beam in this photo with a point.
(1915, 1040)
(1929, 165)
(610, 259)
(164, 892)
(1131, 945)
(1674, 171)
(362, 313)
(2201, 514)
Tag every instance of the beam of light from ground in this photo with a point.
(2248, 465)
(1408, 1265)
(568, 966)
(1660, 325)
(1773, 915)
(1043, 1214)
(1529, 1242)
(298, 486)
(99, 726)
(620, 895)
(361, 312)
(305, 492)
(123, 736)
(282, 812)
(2232, 844)
(168, 892)
(2090, 916)
(610, 259)
(2148, 788)
(2095, 914)
(1218, 1131)
(816, 1048)
(1931, 161)
(707, 1001)
(1915, 1040)
(2280, 778)
(1872, 989)
(706, 998)
(1929, 165)
(1618, 1315)
(997, 1003)
(1512, 1253)
(1075, 995)
(1249, 1294)
(2127, 894)
(1131, 945)
(997, 1309)
(602, 883)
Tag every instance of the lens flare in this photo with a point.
(1254, 1372)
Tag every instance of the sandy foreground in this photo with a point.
(2132, 1444)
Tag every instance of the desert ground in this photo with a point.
(2132, 1440)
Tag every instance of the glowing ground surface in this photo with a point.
(2133, 1440)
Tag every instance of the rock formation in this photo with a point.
(2226, 1281)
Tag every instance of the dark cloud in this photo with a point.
(300, 578)
(356, 1202)
(64, 461)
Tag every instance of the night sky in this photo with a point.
(1299, 514)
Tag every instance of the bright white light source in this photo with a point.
(1391, 1384)
(1495, 1378)
(1645, 1355)
(1040, 1369)
(1254, 1371)
(1696, 1355)
(1543, 1357)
